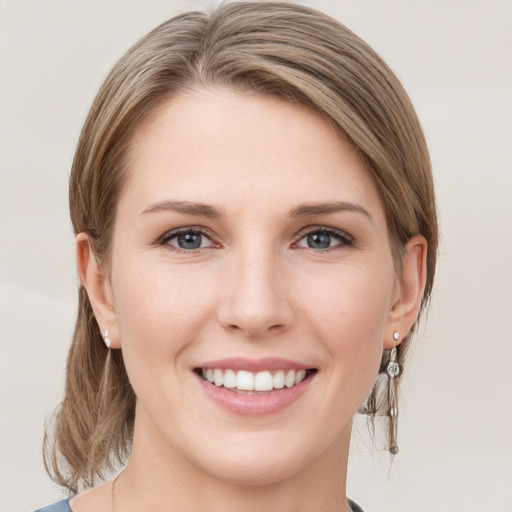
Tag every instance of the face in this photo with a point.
(251, 250)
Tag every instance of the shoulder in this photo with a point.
(60, 506)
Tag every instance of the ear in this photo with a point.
(96, 282)
(409, 291)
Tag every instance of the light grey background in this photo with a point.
(455, 59)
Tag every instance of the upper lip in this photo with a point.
(254, 365)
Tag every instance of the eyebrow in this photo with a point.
(302, 210)
(307, 209)
(187, 207)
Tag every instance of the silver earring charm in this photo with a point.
(106, 339)
(393, 369)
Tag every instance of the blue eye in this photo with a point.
(187, 240)
(324, 239)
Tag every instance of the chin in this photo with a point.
(256, 472)
(248, 458)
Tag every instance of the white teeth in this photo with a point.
(299, 376)
(289, 380)
(218, 377)
(243, 380)
(229, 379)
(263, 381)
(279, 379)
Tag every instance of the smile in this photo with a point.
(247, 382)
(254, 387)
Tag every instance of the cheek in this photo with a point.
(348, 313)
(160, 311)
(351, 298)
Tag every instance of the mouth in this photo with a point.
(245, 382)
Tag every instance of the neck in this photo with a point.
(158, 476)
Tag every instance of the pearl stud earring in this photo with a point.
(396, 335)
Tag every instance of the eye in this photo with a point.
(187, 240)
(324, 238)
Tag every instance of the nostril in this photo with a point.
(256, 331)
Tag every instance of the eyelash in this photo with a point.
(343, 238)
(164, 240)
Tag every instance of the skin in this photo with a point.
(255, 289)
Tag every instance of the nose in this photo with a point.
(254, 299)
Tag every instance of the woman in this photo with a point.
(256, 236)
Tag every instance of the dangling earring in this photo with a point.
(393, 369)
(106, 339)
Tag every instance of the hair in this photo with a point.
(271, 49)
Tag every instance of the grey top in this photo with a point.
(63, 506)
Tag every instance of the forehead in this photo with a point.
(223, 147)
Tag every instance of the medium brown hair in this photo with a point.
(275, 49)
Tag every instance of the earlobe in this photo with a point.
(411, 284)
(95, 281)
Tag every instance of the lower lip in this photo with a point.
(255, 405)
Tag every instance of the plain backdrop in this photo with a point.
(455, 60)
